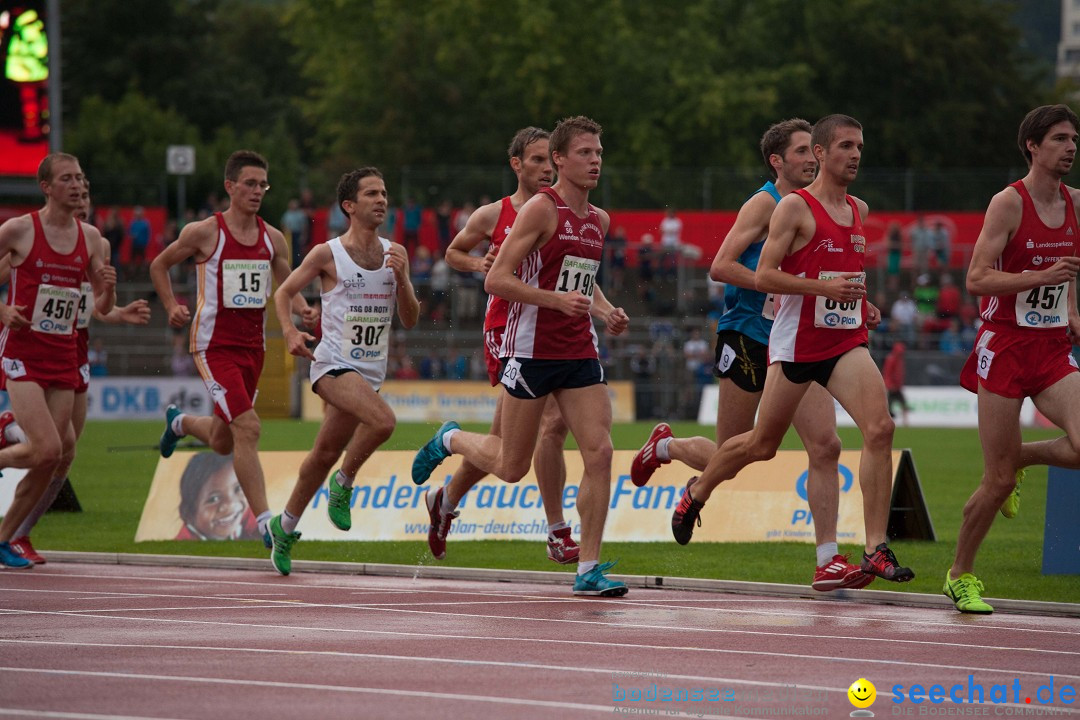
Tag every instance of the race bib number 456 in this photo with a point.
(245, 283)
(55, 309)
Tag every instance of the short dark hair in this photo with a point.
(777, 139)
(523, 138)
(242, 159)
(349, 184)
(45, 167)
(569, 128)
(200, 468)
(1037, 123)
(825, 128)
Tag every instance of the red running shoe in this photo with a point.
(839, 573)
(686, 514)
(6, 418)
(883, 564)
(645, 462)
(563, 549)
(440, 522)
(22, 546)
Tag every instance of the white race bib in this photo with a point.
(365, 336)
(1043, 307)
(578, 274)
(86, 306)
(55, 309)
(834, 315)
(768, 309)
(245, 283)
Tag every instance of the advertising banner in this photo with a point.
(196, 496)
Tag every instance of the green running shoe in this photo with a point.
(168, 440)
(966, 592)
(1011, 506)
(595, 582)
(338, 509)
(281, 555)
(432, 454)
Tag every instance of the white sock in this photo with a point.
(557, 526)
(288, 521)
(447, 436)
(344, 480)
(826, 552)
(263, 520)
(446, 505)
(14, 434)
(662, 449)
(177, 425)
(585, 566)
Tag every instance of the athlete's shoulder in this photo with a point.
(18, 225)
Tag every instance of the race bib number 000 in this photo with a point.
(55, 309)
(245, 283)
(833, 315)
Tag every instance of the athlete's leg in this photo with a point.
(377, 423)
(857, 385)
(46, 419)
(467, 474)
(1059, 404)
(549, 465)
(588, 413)
(245, 430)
(999, 433)
(509, 457)
(779, 402)
(815, 421)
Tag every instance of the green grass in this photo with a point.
(112, 487)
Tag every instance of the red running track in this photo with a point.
(93, 641)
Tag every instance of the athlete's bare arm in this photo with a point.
(279, 266)
(196, 241)
(478, 229)
(408, 306)
(791, 227)
(319, 262)
(1000, 224)
(134, 313)
(751, 225)
(102, 274)
(535, 224)
(614, 318)
(11, 316)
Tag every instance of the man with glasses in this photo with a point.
(235, 253)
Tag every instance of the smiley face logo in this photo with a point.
(862, 693)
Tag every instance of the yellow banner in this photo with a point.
(196, 496)
(461, 400)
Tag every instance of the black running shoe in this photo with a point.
(883, 564)
(685, 515)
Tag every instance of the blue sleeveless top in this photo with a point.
(744, 306)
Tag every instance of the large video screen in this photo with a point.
(24, 86)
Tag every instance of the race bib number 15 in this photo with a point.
(245, 283)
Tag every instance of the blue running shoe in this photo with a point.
(432, 454)
(595, 583)
(168, 440)
(13, 560)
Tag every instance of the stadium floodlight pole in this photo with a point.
(56, 113)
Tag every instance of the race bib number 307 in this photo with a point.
(245, 283)
(55, 309)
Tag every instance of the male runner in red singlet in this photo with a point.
(134, 313)
(530, 160)
(1024, 265)
(813, 260)
(547, 269)
(51, 254)
(235, 253)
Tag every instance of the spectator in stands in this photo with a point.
(893, 373)
(457, 364)
(949, 298)
(98, 358)
(462, 217)
(412, 218)
(337, 222)
(440, 288)
(902, 317)
(421, 270)
(942, 244)
(926, 296)
(182, 361)
(444, 224)
(894, 246)
(922, 242)
(643, 368)
(615, 246)
(432, 366)
(114, 233)
(951, 342)
(294, 222)
(405, 370)
(670, 242)
(139, 231)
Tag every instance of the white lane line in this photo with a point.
(847, 618)
(614, 672)
(427, 636)
(404, 693)
(18, 712)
